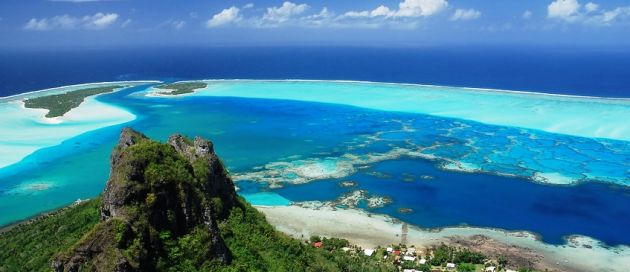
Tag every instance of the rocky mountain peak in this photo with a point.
(155, 193)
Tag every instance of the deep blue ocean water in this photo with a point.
(250, 133)
(556, 70)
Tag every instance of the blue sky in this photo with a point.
(411, 23)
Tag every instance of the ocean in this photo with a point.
(592, 72)
(449, 171)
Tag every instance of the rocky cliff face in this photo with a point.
(156, 194)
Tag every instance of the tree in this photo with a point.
(466, 267)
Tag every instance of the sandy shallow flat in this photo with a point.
(369, 230)
(24, 130)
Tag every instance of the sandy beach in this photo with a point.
(521, 248)
(26, 130)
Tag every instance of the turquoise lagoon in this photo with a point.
(553, 165)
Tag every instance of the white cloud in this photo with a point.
(322, 18)
(527, 14)
(465, 14)
(608, 17)
(226, 16)
(417, 8)
(572, 11)
(563, 9)
(356, 14)
(406, 8)
(296, 14)
(177, 24)
(97, 21)
(60, 22)
(381, 11)
(591, 7)
(285, 12)
(126, 23)
(100, 20)
(248, 6)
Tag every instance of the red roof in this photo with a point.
(397, 252)
(317, 244)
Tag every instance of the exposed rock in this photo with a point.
(166, 189)
(116, 191)
(348, 183)
(405, 210)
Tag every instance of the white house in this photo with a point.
(389, 249)
(510, 270)
(423, 261)
(450, 266)
(490, 269)
(411, 250)
(368, 252)
(409, 258)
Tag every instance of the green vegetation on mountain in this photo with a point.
(167, 207)
(178, 88)
(30, 246)
(60, 104)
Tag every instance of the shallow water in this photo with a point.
(422, 162)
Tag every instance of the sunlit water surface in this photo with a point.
(448, 171)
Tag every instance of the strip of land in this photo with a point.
(179, 88)
(522, 248)
(60, 104)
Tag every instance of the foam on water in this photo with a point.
(571, 115)
(553, 178)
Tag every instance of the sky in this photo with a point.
(42, 24)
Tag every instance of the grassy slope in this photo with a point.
(254, 244)
(257, 246)
(60, 104)
(29, 247)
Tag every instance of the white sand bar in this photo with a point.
(23, 130)
(572, 115)
(369, 230)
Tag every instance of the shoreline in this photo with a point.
(60, 88)
(579, 253)
(26, 130)
(153, 92)
(494, 90)
(368, 230)
(9, 226)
